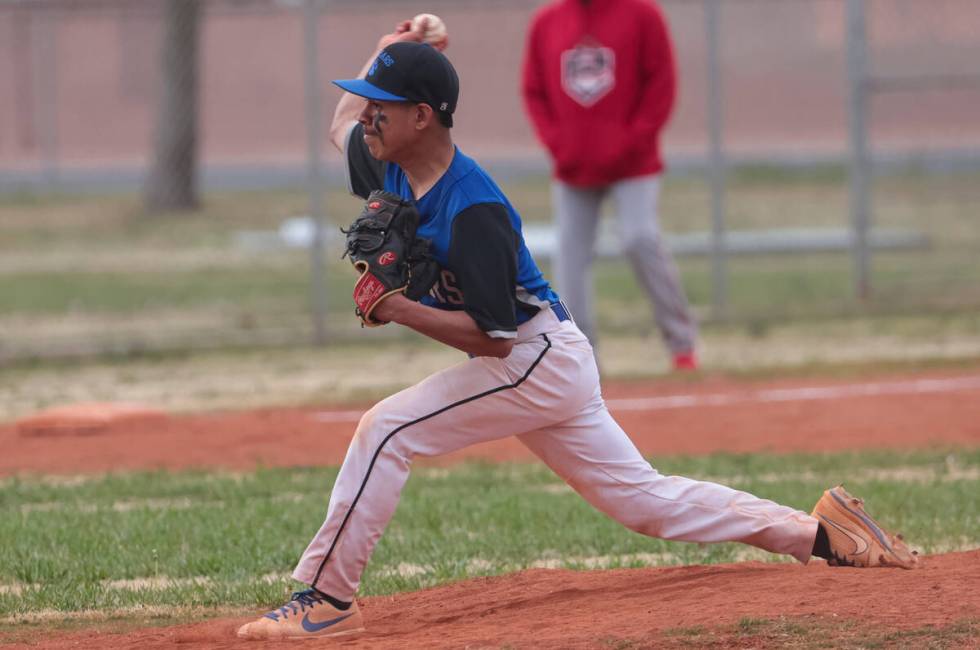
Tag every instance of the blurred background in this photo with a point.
(166, 183)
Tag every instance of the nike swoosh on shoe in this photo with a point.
(859, 542)
(311, 627)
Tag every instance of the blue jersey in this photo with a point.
(486, 269)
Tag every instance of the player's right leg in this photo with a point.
(596, 458)
(576, 213)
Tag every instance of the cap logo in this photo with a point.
(444, 106)
(385, 58)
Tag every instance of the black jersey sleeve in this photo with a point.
(365, 173)
(483, 257)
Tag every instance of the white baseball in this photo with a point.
(432, 28)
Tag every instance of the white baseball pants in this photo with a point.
(547, 394)
(635, 200)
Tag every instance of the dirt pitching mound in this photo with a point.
(87, 418)
(694, 606)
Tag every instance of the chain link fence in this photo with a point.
(83, 270)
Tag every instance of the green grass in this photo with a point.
(807, 632)
(127, 293)
(91, 221)
(229, 540)
(773, 289)
(84, 260)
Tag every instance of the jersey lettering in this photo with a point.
(446, 290)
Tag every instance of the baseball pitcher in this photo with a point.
(438, 248)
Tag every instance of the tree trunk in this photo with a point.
(172, 181)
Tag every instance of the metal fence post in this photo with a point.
(860, 162)
(44, 55)
(717, 164)
(311, 14)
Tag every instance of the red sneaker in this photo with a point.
(685, 361)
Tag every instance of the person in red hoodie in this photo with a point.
(599, 85)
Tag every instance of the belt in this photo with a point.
(544, 321)
(541, 323)
(561, 311)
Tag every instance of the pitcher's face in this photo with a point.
(390, 128)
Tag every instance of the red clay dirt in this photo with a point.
(635, 608)
(630, 608)
(85, 418)
(742, 421)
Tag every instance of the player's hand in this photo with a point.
(389, 257)
(403, 32)
(389, 309)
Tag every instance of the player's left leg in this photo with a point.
(636, 204)
(549, 372)
(596, 458)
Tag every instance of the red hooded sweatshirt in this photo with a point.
(599, 85)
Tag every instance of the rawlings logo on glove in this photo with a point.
(383, 247)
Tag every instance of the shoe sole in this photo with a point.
(325, 636)
(301, 637)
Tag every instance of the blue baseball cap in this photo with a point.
(410, 72)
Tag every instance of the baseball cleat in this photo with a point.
(684, 361)
(855, 538)
(306, 615)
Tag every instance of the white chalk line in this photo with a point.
(802, 394)
(764, 396)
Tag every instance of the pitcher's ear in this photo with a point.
(423, 115)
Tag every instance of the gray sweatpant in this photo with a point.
(577, 215)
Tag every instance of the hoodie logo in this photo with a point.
(588, 73)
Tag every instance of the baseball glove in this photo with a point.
(383, 247)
